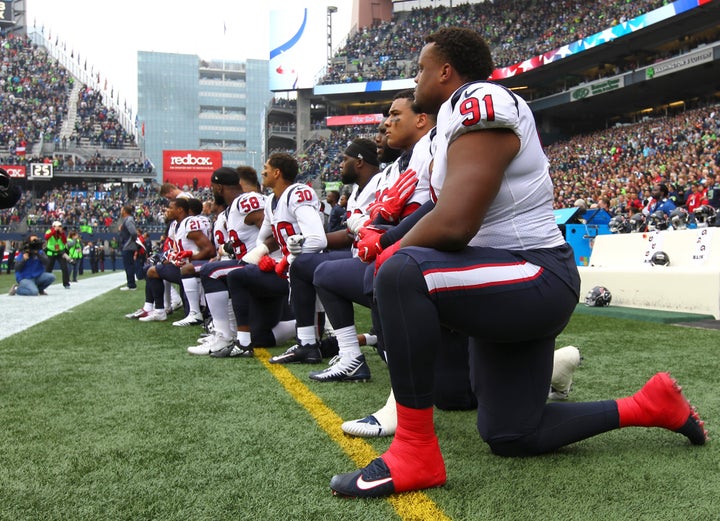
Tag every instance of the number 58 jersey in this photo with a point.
(520, 217)
(242, 235)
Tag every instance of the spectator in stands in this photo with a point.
(659, 202)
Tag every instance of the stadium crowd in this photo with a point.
(514, 30)
(34, 92)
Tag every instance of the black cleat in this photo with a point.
(297, 354)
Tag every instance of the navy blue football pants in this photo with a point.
(512, 311)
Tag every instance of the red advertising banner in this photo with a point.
(354, 119)
(15, 170)
(181, 167)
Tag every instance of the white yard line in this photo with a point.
(20, 313)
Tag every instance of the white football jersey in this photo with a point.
(191, 223)
(220, 232)
(281, 218)
(359, 200)
(521, 216)
(244, 236)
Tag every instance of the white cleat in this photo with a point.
(193, 319)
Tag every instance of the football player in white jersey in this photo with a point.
(261, 287)
(488, 261)
(359, 168)
(245, 215)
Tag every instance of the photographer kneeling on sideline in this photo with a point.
(30, 265)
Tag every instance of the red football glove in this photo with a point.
(267, 264)
(386, 254)
(282, 267)
(180, 258)
(393, 201)
(368, 243)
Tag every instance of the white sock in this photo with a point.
(192, 293)
(174, 295)
(387, 415)
(348, 346)
(231, 315)
(217, 304)
(244, 338)
(168, 287)
(148, 306)
(283, 331)
(370, 340)
(306, 335)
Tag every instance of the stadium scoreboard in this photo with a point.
(6, 13)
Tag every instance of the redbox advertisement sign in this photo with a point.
(14, 170)
(181, 167)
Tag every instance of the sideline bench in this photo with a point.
(690, 283)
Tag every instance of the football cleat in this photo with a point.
(154, 316)
(193, 319)
(236, 350)
(297, 354)
(368, 427)
(660, 403)
(356, 370)
(372, 481)
(208, 348)
(137, 314)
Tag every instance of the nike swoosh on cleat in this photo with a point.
(368, 485)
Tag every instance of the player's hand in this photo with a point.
(386, 254)
(229, 248)
(267, 264)
(294, 244)
(356, 221)
(181, 258)
(395, 198)
(282, 267)
(368, 243)
(254, 255)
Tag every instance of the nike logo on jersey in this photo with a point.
(368, 485)
(468, 93)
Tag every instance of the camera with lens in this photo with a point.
(33, 245)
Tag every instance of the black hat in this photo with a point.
(364, 149)
(225, 176)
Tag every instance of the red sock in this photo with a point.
(658, 404)
(414, 456)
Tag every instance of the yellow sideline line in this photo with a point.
(409, 506)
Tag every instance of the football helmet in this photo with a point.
(619, 224)
(657, 221)
(637, 223)
(679, 218)
(705, 216)
(599, 296)
(660, 258)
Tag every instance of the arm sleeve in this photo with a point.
(311, 227)
(398, 232)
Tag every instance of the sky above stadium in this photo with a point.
(109, 34)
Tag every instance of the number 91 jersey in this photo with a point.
(520, 217)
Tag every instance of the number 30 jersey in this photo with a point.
(296, 211)
(520, 217)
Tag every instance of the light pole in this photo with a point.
(330, 10)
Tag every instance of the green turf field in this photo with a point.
(104, 418)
